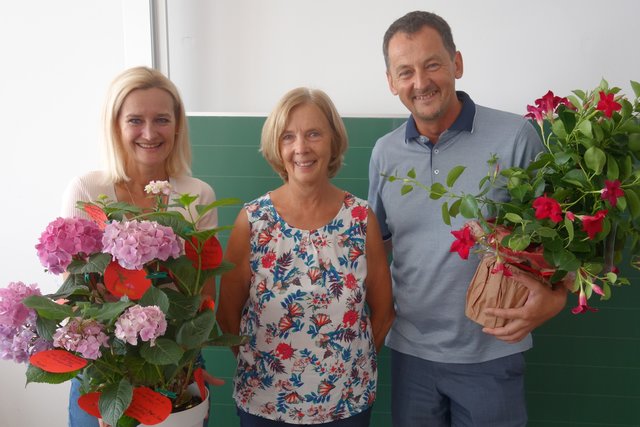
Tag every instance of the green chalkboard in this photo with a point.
(583, 370)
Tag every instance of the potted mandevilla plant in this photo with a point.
(130, 319)
(570, 214)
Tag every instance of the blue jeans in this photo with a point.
(359, 420)
(488, 394)
(77, 416)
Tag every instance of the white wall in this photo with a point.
(241, 56)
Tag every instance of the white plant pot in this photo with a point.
(192, 417)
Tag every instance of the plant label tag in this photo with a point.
(89, 403)
(57, 361)
(148, 406)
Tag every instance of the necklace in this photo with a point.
(133, 200)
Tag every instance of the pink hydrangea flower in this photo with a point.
(18, 338)
(65, 238)
(158, 187)
(135, 243)
(147, 322)
(82, 336)
(12, 312)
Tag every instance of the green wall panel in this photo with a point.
(583, 370)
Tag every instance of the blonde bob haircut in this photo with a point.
(179, 161)
(277, 121)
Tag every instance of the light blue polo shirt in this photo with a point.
(429, 282)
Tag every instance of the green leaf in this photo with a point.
(576, 177)
(181, 306)
(636, 88)
(95, 264)
(406, 189)
(517, 242)
(46, 328)
(513, 217)
(595, 159)
(519, 192)
(633, 202)
(585, 128)
(454, 209)
(108, 311)
(613, 172)
(437, 191)
(558, 129)
(196, 331)
(445, 214)
(47, 308)
(469, 207)
(547, 232)
(454, 174)
(412, 173)
(74, 284)
(164, 352)
(228, 340)
(568, 225)
(203, 209)
(155, 296)
(114, 400)
(37, 375)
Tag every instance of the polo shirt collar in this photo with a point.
(464, 121)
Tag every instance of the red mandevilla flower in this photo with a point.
(545, 107)
(582, 306)
(463, 243)
(607, 104)
(501, 266)
(547, 207)
(612, 190)
(593, 224)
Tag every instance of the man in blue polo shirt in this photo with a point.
(446, 369)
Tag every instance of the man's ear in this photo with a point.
(392, 87)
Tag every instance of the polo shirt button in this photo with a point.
(435, 151)
(436, 171)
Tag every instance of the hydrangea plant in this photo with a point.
(130, 319)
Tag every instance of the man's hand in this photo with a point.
(542, 304)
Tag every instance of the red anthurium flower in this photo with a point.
(121, 281)
(593, 224)
(211, 254)
(582, 306)
(612, 191)
(547, 207)
(463, 243)
(607, 104)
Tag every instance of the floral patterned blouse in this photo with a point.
(311, 357)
